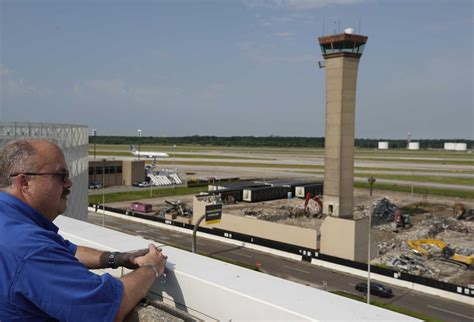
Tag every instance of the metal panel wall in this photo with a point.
(73, 140)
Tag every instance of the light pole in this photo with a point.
(94, 133)
(371, 181)
(174, 161)
(103, 192)
(196, 225)
(139, 136)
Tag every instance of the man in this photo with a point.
(42, 276)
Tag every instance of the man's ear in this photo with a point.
(22, 182)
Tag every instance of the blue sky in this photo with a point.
(175, 68)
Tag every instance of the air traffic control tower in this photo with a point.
(341, 54)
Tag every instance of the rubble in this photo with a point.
(412, 265)
(466, 215)
(383, 211)
(429, 220)
(177, 208)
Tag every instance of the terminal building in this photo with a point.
(116, 172)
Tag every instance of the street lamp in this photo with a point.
(371, 181)
(103, 192)
(94, 133)
(139, 136)
(174, 161)
(174, 156)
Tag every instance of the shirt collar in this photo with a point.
(28, 212)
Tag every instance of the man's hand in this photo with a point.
(128, 259)
(154, 257)
(138, 283)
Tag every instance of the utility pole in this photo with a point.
(139, 136)
(371, 181)
(103, 192)
(94, 133)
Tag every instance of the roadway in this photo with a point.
(297, 271)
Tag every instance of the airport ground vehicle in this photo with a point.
(402, 220)
(375, 289)
(439, 250)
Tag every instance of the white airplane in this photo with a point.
(148, 154)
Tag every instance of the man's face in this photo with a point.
(48, 193)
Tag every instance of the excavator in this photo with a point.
(440, 251)
(316, 199)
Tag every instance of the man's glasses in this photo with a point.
(63, 176)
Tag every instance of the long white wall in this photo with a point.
(214, 290)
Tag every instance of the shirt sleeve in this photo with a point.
(71, 246)
(57, 283)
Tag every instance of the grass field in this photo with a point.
(307, 151)
(437, 162)
(144, 194)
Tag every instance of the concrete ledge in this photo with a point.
(209, 289)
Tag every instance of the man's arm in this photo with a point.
(94, 259)
(138, 283)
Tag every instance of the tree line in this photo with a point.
(266, 141)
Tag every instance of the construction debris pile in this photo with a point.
(382, 210)
(177, 208)
(392, 227)
(286, 212)
(439, 244)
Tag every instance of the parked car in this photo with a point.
(95, 185)
(144, 184)
(375, 289)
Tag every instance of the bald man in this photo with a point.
(42, 276)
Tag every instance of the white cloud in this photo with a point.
(108, 87)
(212, 92)
(154, 95)
(264, 54)
(13, 85)
(296, 4)
(119, 89)
(284, 34)
(4, 71)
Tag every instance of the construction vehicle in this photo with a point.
(402, 220)
(316, 199)
(439, 250)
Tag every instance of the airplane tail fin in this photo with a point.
(132, 148)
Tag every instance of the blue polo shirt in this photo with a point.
(40, 279)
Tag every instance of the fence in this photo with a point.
(306, 253)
